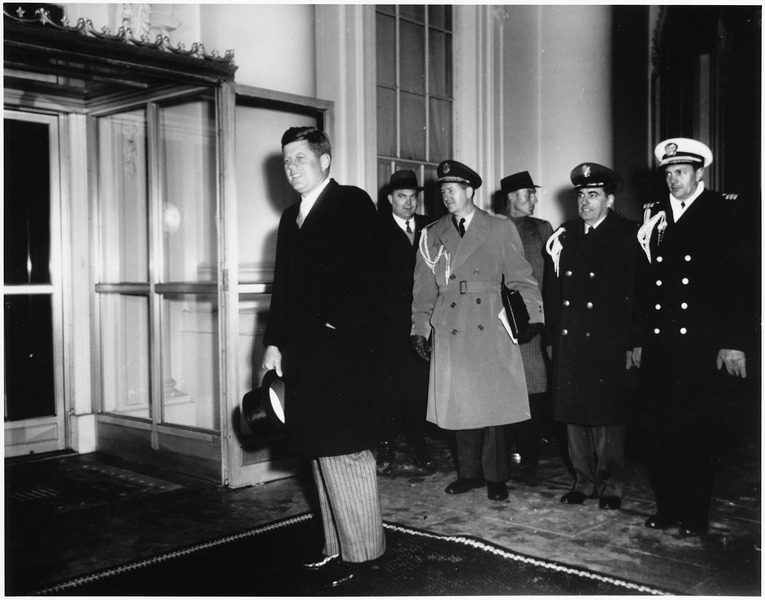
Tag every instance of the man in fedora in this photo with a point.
(699, 326)
(405, 376)
(521, 195)
(477, 383)
(589, 302)
(320, 336)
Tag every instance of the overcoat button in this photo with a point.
(685, 281)
(480, 328)
(658, 307)
(657, 330)
(592, 275)
(569, 273)
(453, 304)
(452, 276)
(683, 330)
(589, 305)
(658, 282)
(477, 300)
(687, 258)
(454, 332)
(684, 305)
(477, 271)
(659, 258)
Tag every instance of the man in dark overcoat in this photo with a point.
(320, 336)
(405, 375)
(698, 323)
(588, 298)
(521, 195)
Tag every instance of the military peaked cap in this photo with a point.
(595, 175)
(678, 151)
(451, 170)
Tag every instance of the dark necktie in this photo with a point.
(460, 227)
(408, 229)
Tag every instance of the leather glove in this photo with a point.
(531, 330)
(420, 346)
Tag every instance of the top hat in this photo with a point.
(451, 170)
(404, 180)
(595, 175)
(263, 409)
(678, 151)
(517, 181)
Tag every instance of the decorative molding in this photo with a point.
(140, 18)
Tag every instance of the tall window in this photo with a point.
(414, 92)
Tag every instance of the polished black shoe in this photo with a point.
(610, 502)
(463, 485)
(693, 528)
(337, 574)
(660, 521)
(496, 490)
(319, 562)
(420, 457)
(573, 497)
(386, 457)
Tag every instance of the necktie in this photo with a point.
(682, 205)
(460, 227)
(409, 233)
(408, 229)
(302, 214)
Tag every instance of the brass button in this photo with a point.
(587, 334)
(564, 332)
(685, 281)
(592, 275)
(658, 307)
(683, 330)
(659, 258)
(684, 306)
(589, 305)
(687, 258)
(657, 330)
(568, 273)
(566, 303)
(658, 282)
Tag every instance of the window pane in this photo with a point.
(123, 197)
(386, 51)
(188, 165)
(440, 16)
(386, 122)
(125, 355)
(412, 127)
(386, 8)
(190, 375)
(412, 11)
(412, 58)
(440, 64)
(440, 130)
(29, 378)
(27, 203)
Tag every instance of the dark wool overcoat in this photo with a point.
(534, 235)
(589, 307)
(404, 374)
(476, 372)
(697, 297)
(327, 273)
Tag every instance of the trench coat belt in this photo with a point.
(471, 287)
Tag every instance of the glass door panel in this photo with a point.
(190, 373)
(125, 355)
(187, 168)
(123, 197)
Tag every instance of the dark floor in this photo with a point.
(68, 515)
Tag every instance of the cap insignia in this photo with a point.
(670, 149)
(446, 168)
(586, 171)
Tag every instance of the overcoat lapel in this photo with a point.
(474, 238)
(320, 206)
(595, 240)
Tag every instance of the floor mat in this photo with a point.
(262, 562)
(79, 486)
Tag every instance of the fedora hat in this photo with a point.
(404, 180)
(517, 181)
(263, 409)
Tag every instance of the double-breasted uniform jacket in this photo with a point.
(327, 273)
(404, 374)
(534, 235)
(589, 304)
(695, 301)
(476, 372)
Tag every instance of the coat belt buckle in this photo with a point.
(463, 287)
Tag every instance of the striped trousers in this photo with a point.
(350, 506)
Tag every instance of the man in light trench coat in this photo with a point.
(477, 382)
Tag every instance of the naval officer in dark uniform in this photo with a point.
(695, 333)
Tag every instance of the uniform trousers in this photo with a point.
(597, 455)
(483, 453)
(350, 506)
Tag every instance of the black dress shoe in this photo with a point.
(386, 457)
(660, 521)
(420, 457)
(463, 485)
(496, 490)
(573, 497)
(338, 574)
(319, 562)
(693, 528)
(611, 502)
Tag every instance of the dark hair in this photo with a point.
(317, 140)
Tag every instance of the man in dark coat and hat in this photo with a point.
(405, 375)
(588, 297)
(320, 336)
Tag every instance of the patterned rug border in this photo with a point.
(465, 540)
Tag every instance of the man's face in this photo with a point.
(303, 168)
(593, 204)
(403, 203)
(521, 203)
(457, 198)
(682, 180)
